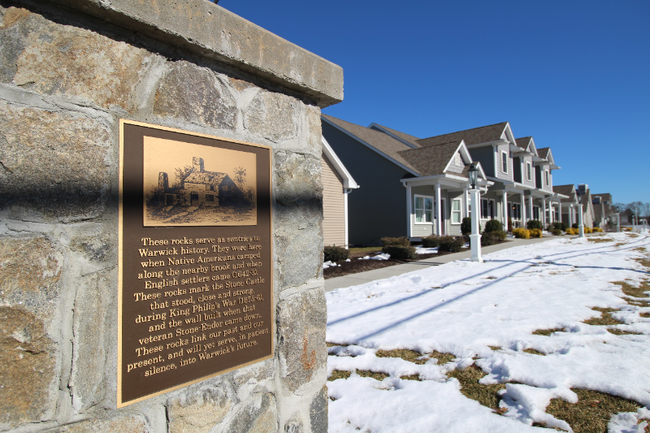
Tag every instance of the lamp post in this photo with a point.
(475, 237)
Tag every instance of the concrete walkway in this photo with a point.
(391, 271)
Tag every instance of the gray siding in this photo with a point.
(484, 155)
(378, 208)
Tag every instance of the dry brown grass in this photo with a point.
(338, 374)
(605, 318)
(470, 388)
(600, 240)
(592, 412)
(547, 332)
(411, 377)
(405, 354)
(442, 357)
(373, 374)
(617, 331)
(646, 315)
(534, 352)
(495, 348)
(634, 291)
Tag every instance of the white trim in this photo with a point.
(503, 152)
(459, 211)
(348, 181)
(415, 208)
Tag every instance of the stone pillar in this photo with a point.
(71, 70)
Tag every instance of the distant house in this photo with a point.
(200, 188)
(584, 197)
(570, 205)
(603, 211)
(408, 189)
(337, 184)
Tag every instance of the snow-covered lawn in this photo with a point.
(485, 314)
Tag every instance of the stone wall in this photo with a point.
(69, 70)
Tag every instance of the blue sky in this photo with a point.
(573, 74)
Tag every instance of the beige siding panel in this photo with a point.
(333, 205)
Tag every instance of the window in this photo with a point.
(548, 182)
(209, 197)
(536, 213)
(529, 175)
(504, 161)
(423, 209)
(455, 211)
(487, 209)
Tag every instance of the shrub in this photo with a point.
(521, 233)
(571, 231)
(431, 241)
(399, 242)
(466, 226)
(452, 244)
(335, 254)
(557, 225)
(493, 226)
(489, 238)
(399, 252)
(501, 235)
(534, 224)
(598, 230)
(575, 226)
(588, 229)
(556, 232)
(535, 233)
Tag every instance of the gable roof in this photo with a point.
(483, 134)
(407, 139)
(546, 153)
(378, 141)
(420, 161)
(432, 160)
(568, 190)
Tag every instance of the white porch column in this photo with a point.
(581, 226)
(570, 215)
(409, 212)
(475, 237)
(544, 212)
(530, 204)
(465, 203)
(438, 213)
(505, 211)
(551, 212)
(523, 211)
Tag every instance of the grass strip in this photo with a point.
(405, 354)
(470, 388)
(605, 318)
(534, 352)
(373, 374)
(547, 332)
(634, 291)
(338, 374)
(592, 412)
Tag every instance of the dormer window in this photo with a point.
(504, 162)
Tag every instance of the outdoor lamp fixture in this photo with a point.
(475, 237)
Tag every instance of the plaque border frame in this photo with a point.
(120, 265)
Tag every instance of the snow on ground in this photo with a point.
(465, 307)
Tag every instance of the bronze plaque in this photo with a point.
(195, 277)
